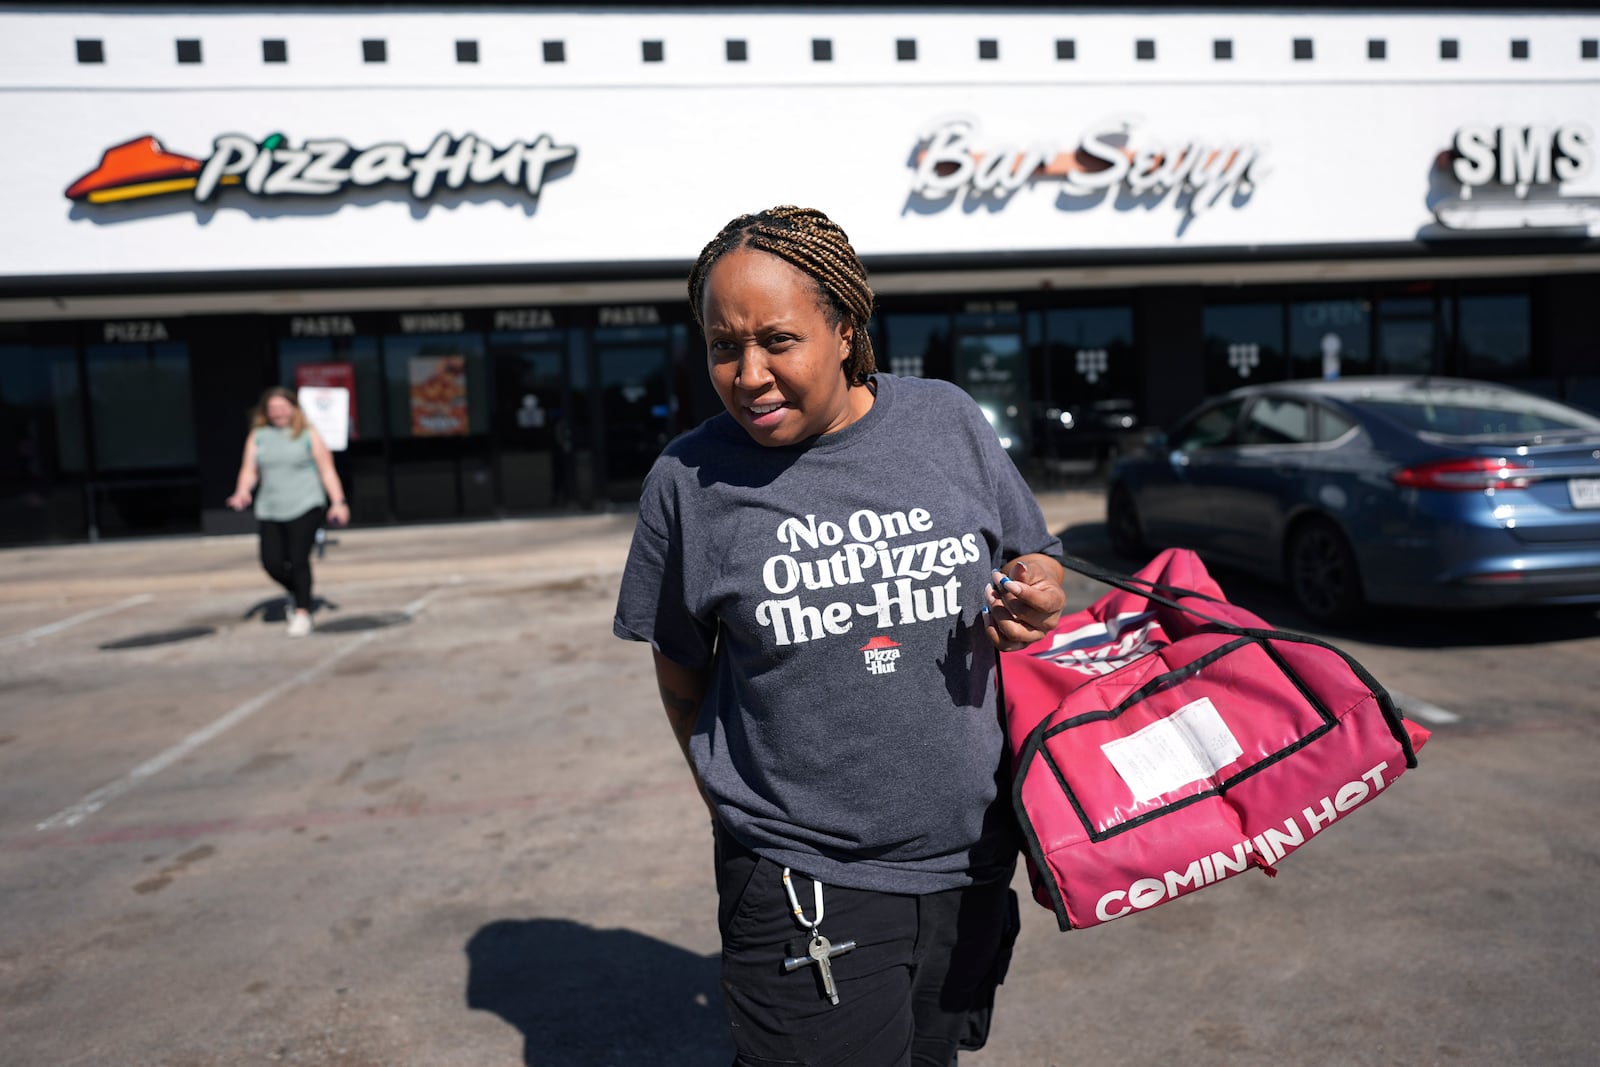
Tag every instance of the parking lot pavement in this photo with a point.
(574, 544)
(451, 827)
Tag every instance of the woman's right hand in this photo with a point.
(240, 500)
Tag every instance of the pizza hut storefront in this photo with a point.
(481, 293)
(135, 426)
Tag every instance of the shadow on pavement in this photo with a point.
(276, 609)
(582, 996)
(1394, 627)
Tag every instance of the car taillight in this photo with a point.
(1463, 474)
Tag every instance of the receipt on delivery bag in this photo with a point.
(1190, 744)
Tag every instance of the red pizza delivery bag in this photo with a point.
(1163, 740)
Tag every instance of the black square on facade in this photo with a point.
(1302, 48)
(466, 51)
(555, 51)
(1144, 49)
(188, 51)
(654, 51)
(738, 52)
(374, 52)
(1066, 48)
(988, 49)
(1222, 49)
(905, 50)
(1519, 49)
(1449, 48)
(1377, 48)
(821, 50)
(91, 51)
(1590, 49)
(275, 51)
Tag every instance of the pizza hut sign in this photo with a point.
(321, 167)
(954, 156)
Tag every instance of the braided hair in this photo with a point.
(814, 244)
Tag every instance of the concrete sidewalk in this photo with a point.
(542, 549)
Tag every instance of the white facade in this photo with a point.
(1339, 156)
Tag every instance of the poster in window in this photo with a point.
(327, 408)
(341, 376)
(438, 396)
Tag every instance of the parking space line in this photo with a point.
(1421, 709)
(37, 632)
(72, 816)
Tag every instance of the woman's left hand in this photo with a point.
(339, 514)
(1024, 605)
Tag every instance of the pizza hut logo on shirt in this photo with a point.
(273, 167)
(880, 654)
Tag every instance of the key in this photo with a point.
(819, 951)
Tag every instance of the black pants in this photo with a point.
(286, 554)
(918, 986)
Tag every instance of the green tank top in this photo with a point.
(288, 485)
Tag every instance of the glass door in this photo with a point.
(638, 417)
(1085, 391)
(991, 365)
(533, 422)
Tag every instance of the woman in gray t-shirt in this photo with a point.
(288, 473)
(824, 572)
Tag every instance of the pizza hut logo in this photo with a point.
(880, 653)
(273, 167)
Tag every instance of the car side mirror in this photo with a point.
(1155, 440)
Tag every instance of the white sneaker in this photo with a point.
(299, 624)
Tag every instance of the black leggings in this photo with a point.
(286, 554)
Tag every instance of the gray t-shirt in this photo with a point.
(834, 589)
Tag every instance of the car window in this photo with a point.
(1209, 428)
(1276, 421)
(1331, 425)
(1479, 412)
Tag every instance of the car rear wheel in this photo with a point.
(1122, 525)
(1323, 574)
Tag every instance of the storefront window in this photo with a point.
(1243, 344)
(1091, 353)
(1330, 338)
(1407, 335)
(918, 346)
(140, 406)
(1494, 337)
(41, 441)
(438, 385)
(40, 405)
(316, 361)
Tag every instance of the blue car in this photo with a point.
(1423, 492)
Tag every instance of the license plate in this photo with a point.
(1585, 492)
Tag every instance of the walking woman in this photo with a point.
(289, 474)
(824, 572)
